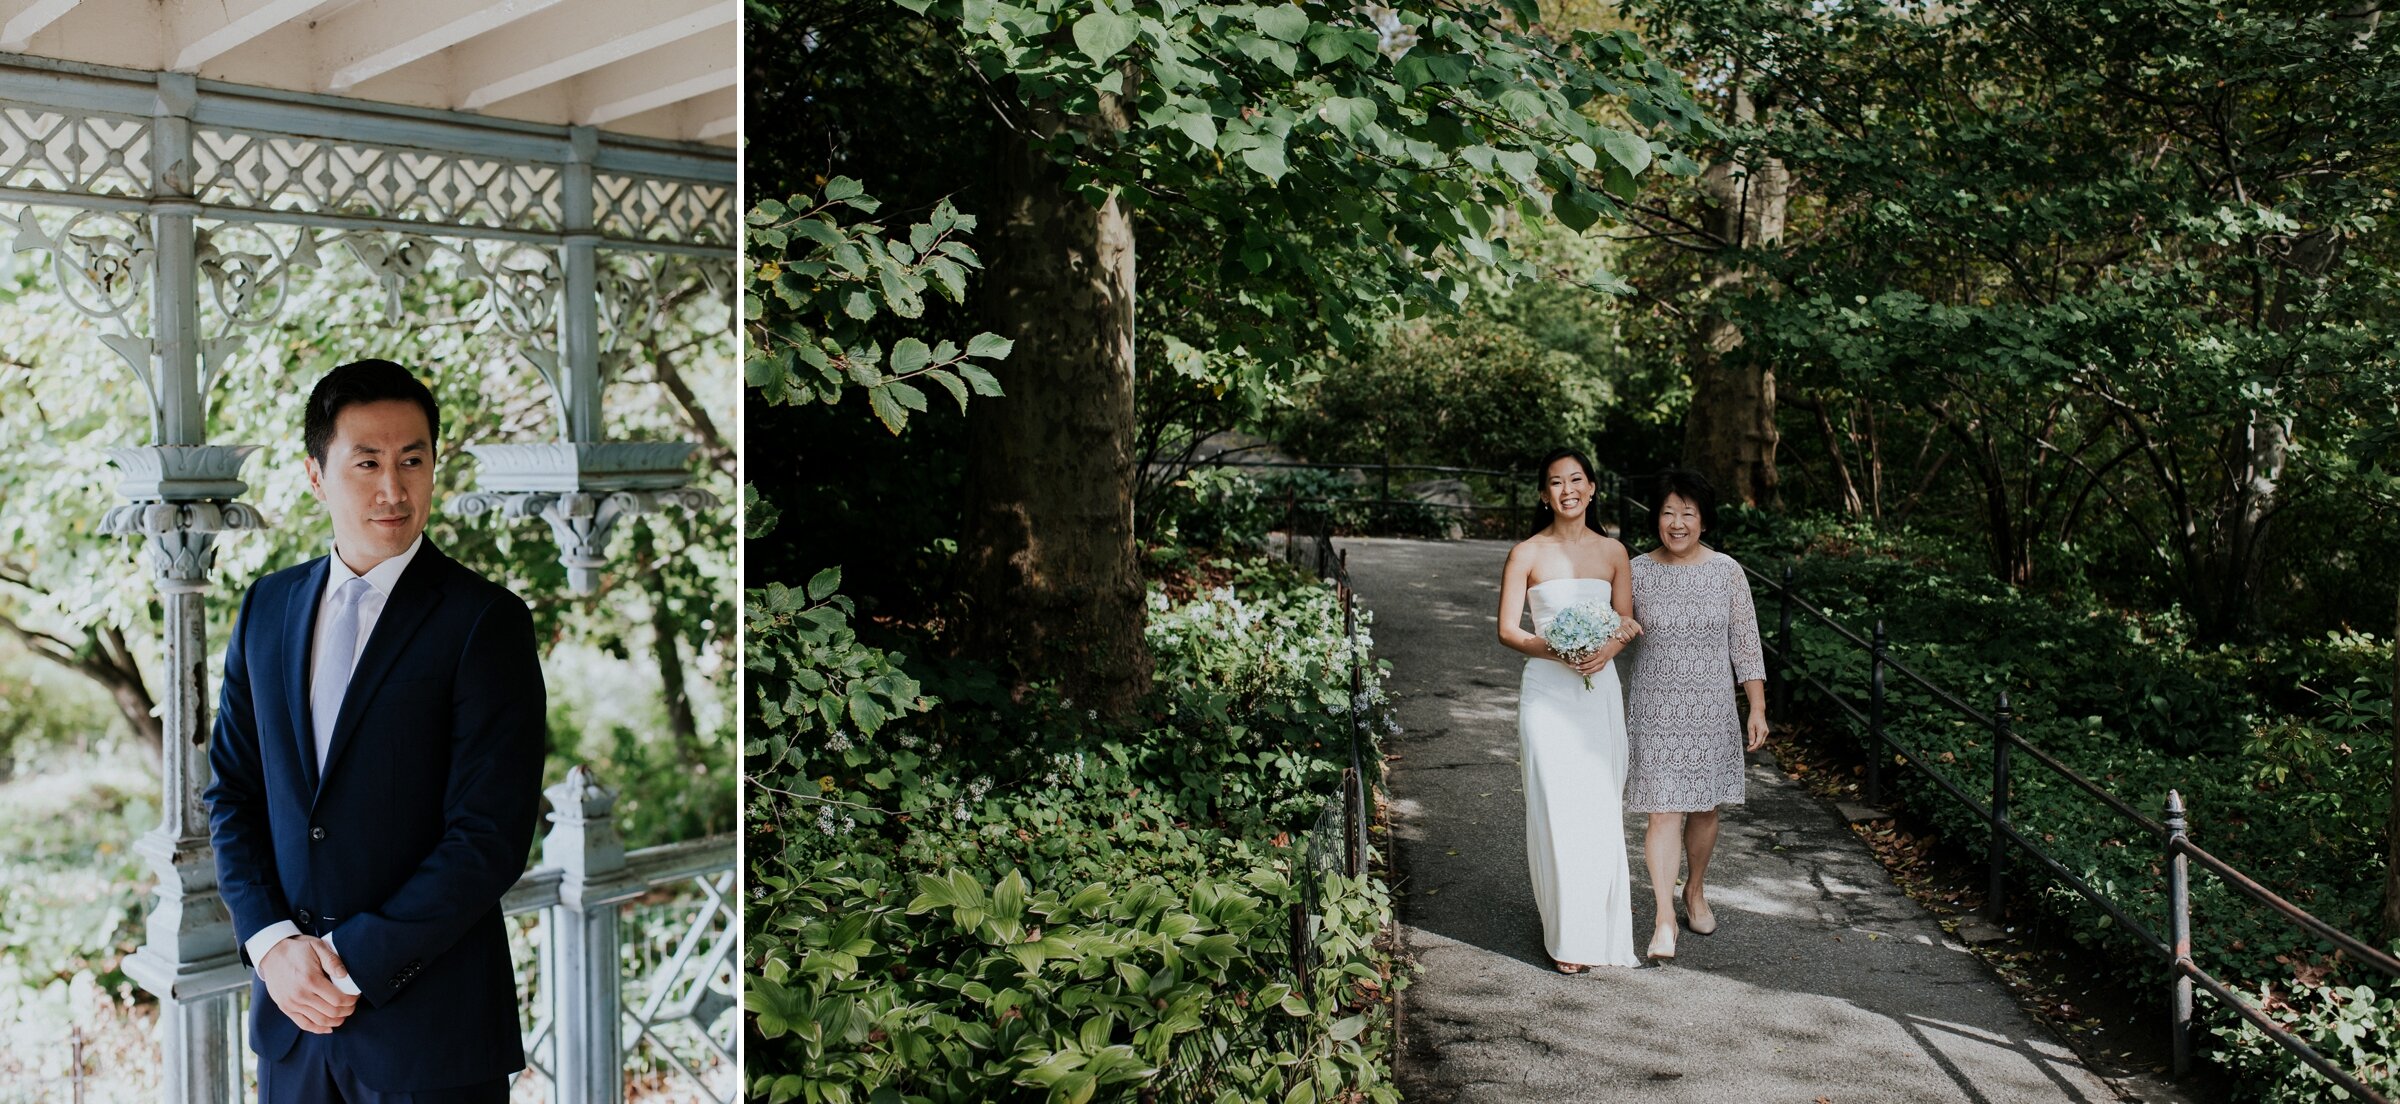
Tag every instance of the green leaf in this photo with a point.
(841, 188)
(1344, 1030)
(824, 584)
(1282, 21)
(989, 346)
(983, 382)
(908, 355)
(1267, 160)
(1627, 150)
(907, 396)
(951, 383)
(1200, 127)
(894, 418)
(1103, 33)
(1516, 163)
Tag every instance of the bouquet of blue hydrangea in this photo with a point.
(1580, 631)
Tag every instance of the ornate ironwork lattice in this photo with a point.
(321, 176)
(636, 208)
(91, 153)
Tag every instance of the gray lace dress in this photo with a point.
(1683, 726)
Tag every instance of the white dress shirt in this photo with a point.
(380, 580)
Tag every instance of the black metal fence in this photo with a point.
(1992, 807)
(1383, 514)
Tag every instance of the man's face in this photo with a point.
(377, 480)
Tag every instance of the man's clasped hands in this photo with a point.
(299, 972)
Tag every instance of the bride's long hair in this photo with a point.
(1541, 474)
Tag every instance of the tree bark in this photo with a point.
(1729, 432)
(666, 647)
(1049, 563)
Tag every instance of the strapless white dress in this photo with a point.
(1573, 747)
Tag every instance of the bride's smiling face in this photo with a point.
(1567, 488)
(1679, 525)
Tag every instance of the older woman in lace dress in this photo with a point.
(1685, 736)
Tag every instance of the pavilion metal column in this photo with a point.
(182, 493)
(579, 377)
(581, 971)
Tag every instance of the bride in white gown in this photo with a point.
(1572, 739)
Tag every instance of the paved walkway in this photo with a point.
(1824, 983)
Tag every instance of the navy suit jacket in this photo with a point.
(401, 848)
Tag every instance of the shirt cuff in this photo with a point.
(277, 932)
(267, 938)
(343, 982)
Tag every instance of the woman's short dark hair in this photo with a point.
(1691, 485)
(1541, 476)
(362, 381)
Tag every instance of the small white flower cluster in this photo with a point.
(905, 740)
(1063, 767)
(1284, 645)
(830, 825)
(837, 740)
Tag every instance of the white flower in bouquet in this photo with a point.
(1580, 631)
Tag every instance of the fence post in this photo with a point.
(2179, 908)
(1291, 526)
(1995, 903)
(1783, 649)
(1300, 948)
(580, 970)
(1877, 751)
(76, 1041)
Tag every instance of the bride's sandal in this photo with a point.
(1569, 968)
(1663, 937)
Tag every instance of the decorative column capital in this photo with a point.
(583, 844)
(583, 489)
(182, 498)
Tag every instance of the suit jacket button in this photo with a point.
(304, 918)
(317, 832)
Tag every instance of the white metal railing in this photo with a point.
(582, 1029)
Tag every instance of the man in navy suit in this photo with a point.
(377, 760)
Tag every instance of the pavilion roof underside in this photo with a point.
(652, 68)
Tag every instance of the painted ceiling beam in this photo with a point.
(371, 39)
(203, 32)
(568, 42)
(26, 18)
(678, 71)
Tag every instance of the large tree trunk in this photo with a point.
(1729, 432)
(1049, 560)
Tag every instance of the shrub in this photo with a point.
(959, 896)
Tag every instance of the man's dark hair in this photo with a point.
(1691, 485)
(363, 381)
